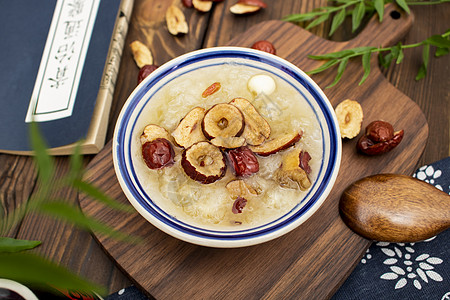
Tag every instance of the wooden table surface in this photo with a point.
(77, 250)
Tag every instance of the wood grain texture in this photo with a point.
(395, 208)
(434, 100)
(148, 25)
(225, 26)
(322, 249)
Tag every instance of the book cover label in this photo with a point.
(62, 61)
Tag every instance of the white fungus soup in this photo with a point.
(226, 146)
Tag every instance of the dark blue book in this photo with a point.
(59, 62)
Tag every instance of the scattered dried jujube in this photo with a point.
(379, 138)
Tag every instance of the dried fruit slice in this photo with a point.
(152, 132)
(247, 6)
(243, 160)
(189, 131)
(290, 174)
(202, 5)
(293, 179)
(349, 114)
(291, 160)
(277, 144)
(242, 8)
(175, 20)
(158, 153)
(256, 129)
(240, 188)
(223, 120)
(229, 142)
(141, 54)
(204, 162)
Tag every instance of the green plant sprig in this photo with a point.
(35, 270)
(341, 58)
(358, 9)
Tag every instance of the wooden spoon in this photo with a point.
(395, 208)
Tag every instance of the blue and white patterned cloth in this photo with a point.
(391, 270)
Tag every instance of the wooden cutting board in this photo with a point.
(310, 262)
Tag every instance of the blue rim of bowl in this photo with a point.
(203, 236)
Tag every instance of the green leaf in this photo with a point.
(323, 67)
(425, 57)
(395, 51)
(302, 17)
(421, 73)
(337, 20)
(385, 60)
(332, 55)
(71, 214)
(97, 194)
(340, 71)
(76, 163)
(43, 160)
(358, 15)
(366, 66)
(10, 245)
(317, 21)
(381, 59)
(379, 7)
(441, 52)
(403, 5)
(438, 41)
(36, 271)
(400, 56)
(342, 53)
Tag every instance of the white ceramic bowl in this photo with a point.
(193, 233)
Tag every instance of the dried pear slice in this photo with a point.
(204, 162)
(223, 120)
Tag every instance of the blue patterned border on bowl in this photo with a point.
(226, 238)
